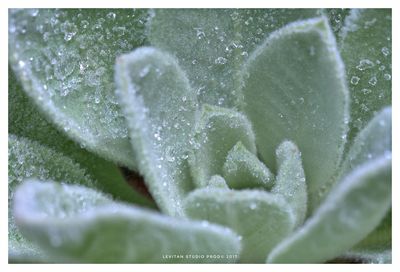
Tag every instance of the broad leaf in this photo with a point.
(372, 142)
(242, 169)
(25, 120)
(352, 210)
(160, 109)
(294, 88)
(217, 131)
(290, 180)
(366, 46)
(261, 218)
(65, 61)
(30, 159)
(212, 44)
(76, 224)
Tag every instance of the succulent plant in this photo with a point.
(262, 135)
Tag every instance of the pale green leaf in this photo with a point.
(261, 218)
(160, 108)
(295, 89)
(77, 224)
(25, 120)
(352, 210)
(366, 48)
(216, 132)
(30, 159)
(65, 59)
(368, 256)
(217, 182)
(212, 44)
(242, 169)
(290, 180)
(372, 142)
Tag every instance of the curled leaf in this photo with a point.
(290, 180)
(160, 109)
(352, 210)
(242, 169)
(77, 224)
(216, 132)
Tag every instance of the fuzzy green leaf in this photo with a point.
(337, 17)
(295, 89)
(216, 132)
(366, 46)
(261, 218)
(30, 159)
(372, 142)
(352, 210)
(25, 120)
(217, 182)
(242, 169)
(160, 109)
(290, 180)
(76, 224)
(212, 44)
(65, 59)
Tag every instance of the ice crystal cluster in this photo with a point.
(262, 135)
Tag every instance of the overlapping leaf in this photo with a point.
(76, 224)
(65, 60)
(295, 89)
(160, 108)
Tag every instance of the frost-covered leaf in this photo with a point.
(295, 89)
(217, 182)
(77, 224)
(160, 109)
(216, 133)
(30, 159)
(25, 120)
(366, 48)
(242, 169)
(352, 210)
(372, 142)
(290, 180)
(261, 218)
(211, 44)
(65, 60)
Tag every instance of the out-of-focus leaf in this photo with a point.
(30, 159)
(212, 44)
(372, 142)
(290, 180)
(242, 169)
(160, 108)
(217, 131)
(295, 88)
(77, 224)
(367, 256)
(261, 218)
(25, 120)
(65, 59)
(352, 210)
(366, 48)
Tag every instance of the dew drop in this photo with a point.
(387, 76)
(253, 206)
(365, 64)
(372, 81)
(354, 80)
(385, 51)
(220, 60)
